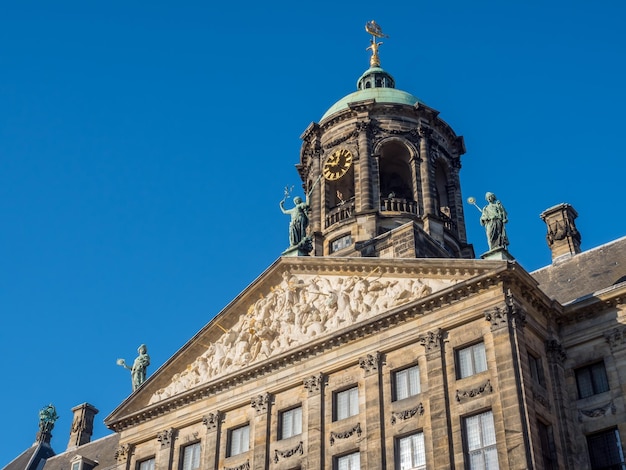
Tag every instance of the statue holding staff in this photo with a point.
(140, 366)
(299, 216)
(494, 218)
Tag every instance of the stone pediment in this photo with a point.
(295, 302)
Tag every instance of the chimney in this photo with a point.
(82, 425)
(563, 238)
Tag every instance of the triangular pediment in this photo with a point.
(294, 303)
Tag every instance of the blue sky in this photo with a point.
(144, 147)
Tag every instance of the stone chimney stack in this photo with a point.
(82, 425)
(563, 238)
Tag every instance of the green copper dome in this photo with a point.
(374, 84)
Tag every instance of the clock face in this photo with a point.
(337, 164)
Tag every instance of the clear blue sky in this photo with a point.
(144, 147)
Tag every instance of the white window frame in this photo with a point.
(411, 452)
(407, 382)
(348, 462)
(239, 440)
(471, 360)
(290, 423)
(146, 464)
(346, 403)
(480, 441)
(191, 456)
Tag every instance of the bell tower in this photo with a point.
(383, 172)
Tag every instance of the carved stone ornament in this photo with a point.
(555, 351)
(475, 392)
(261, 403)
(291, 313)
(212, 420)
(370, 362)
(166, 437)
(123, 452)
(243, 466)
(406, 414)
(313, 383)
(345, 435)
(597, 412)
(285, 454)
(616, 337)
(539, 395)
(504, 314)
(431, 340)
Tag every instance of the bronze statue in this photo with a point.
(47, 418)
(140, 366)
(494, 218)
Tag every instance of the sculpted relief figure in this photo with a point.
(494, 218)
(297, 309)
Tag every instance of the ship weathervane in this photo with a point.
(376, 31)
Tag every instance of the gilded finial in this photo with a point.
(376, 31)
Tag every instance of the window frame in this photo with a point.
(617, 448)
(338, 458)
(398, 454)
(395, 383)
(548, 446)
(537, 373)
(588, 372)
(485, 448)
(281, 423)
(230, 451)
(460, 373)
(143, 461)
(183, 450)
(350, 405)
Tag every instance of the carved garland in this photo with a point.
(597, 412)
(345, 435)
(406, 414)
(486, 388)
(243, 466)
(299, 449)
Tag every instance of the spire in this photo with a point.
(375, 76)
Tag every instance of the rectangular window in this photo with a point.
(411, 453)
(191, 457)
(548, 450)
(147, 464)
(346, 403)
(480, 441)
(290, 423)
(239, 440)
(348, 462)
(407, 382)
(591, 380)
(471, 360)
(76, 466)
(536, 369)
(605, 451)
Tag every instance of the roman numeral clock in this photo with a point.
(337, 164)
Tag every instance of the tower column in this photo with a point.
(426, 171)
(365, 173)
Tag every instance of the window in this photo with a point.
(76, 465)
(591, 380)
(348, 462)
(147, 464)
(239, 440)
(346, 403)
(605, 451)
(480, 441)
(548, 450)
(471, 360)
(191, 457)
(536, 369)
(290, 423)
(411, 454)
(407, 382)
(341, 243)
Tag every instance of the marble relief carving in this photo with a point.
(295, 311)
(345, 435)
(406, 414)
(285, 454)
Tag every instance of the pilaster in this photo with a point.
(438, 400)
(260, 456)
(213, 423)
(314, 456)
(163, 458)
(365, 202)
(374, 428)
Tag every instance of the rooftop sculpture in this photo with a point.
(139, 369)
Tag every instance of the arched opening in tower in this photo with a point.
(396, 184)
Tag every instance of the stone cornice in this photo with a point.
(485, 274)
(589, 306)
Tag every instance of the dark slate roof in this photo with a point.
(31, 457)
(101, 451)
(587, 272)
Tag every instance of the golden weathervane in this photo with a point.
(376, 31)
